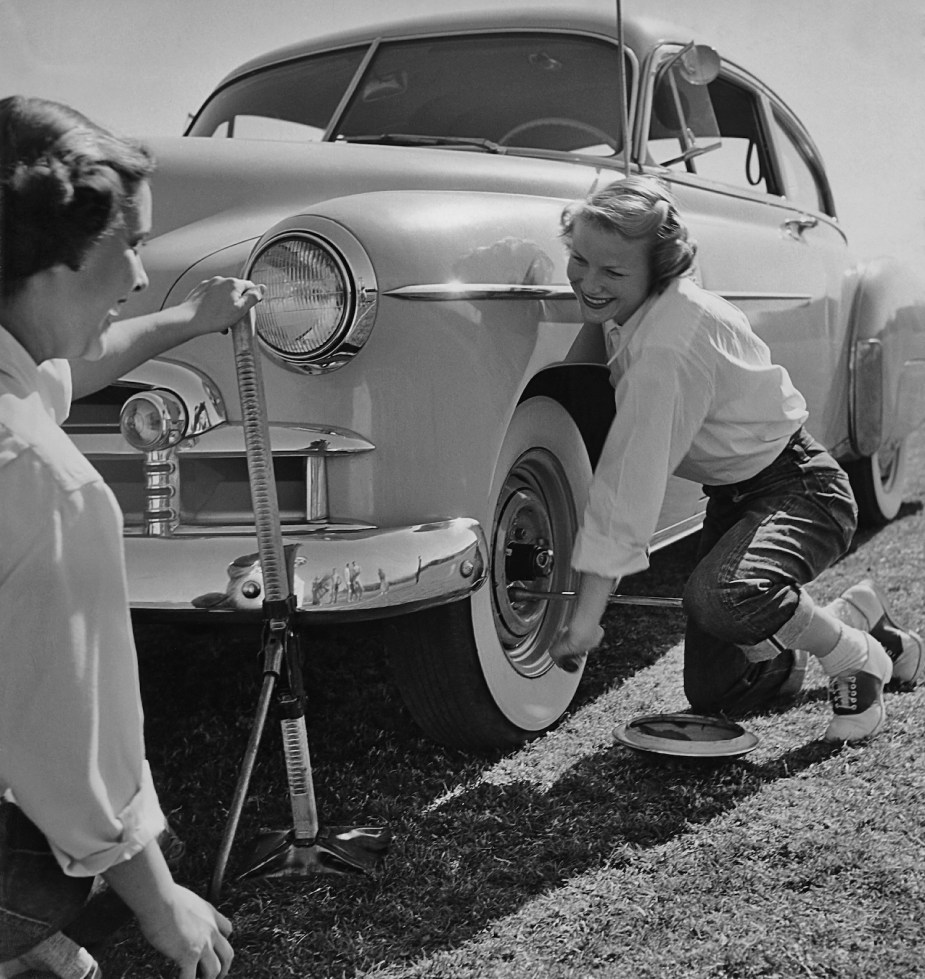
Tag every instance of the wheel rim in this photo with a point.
(534, 528)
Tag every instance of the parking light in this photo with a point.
(153, 420)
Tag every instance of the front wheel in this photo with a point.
(878, 482)
(477, 674)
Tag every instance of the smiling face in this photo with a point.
(87, 300)
(608, 273)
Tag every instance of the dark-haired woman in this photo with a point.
(698, 395)
(78, 801)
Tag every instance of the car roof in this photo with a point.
(640, 33)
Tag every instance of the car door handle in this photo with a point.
(795, 227)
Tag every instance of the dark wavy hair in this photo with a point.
(639, 208)
(63, 183)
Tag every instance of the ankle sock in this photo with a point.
(849, 614)
(849, 654)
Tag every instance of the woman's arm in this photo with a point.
(214, 305)
(177, 922)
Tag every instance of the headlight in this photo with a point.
(153, 420)
(321, 297)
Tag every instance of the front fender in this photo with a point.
(887, 389)
(466, 355)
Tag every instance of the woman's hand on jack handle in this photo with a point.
(216, 304)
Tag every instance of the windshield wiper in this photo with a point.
(413, 139)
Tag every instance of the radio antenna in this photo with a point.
(624, 95)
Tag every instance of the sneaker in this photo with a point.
(904, 647)
(857, 698)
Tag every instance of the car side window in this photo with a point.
(801, 186)
(714, 131)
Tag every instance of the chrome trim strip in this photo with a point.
(204, 532)
(865, 416)
(769, 297)
(469, 291)
(449, 291)
(162, 492)
(348, 573)
(286, 440)
(316, 487)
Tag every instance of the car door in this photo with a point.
(760, 214)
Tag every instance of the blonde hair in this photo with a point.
(639, 208)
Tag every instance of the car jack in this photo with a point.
(307, 848)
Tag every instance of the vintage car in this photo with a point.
(435, 403)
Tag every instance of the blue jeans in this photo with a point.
(37, 899)
(762, 541)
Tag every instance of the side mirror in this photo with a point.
(696, 64)
(699, 64)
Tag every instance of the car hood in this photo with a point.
(215, 195)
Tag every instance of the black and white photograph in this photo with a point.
(462, 489)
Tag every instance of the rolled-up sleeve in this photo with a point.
(71, 723)
(661, 401)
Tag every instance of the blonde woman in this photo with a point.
(697, 394)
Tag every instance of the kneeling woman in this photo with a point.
(76, 796)
(698, 395)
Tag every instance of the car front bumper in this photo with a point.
(336, 575)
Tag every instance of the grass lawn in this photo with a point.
(573, 857)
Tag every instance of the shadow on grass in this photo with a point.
(454, 868)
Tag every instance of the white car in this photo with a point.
(436, 406)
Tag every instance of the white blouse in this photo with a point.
(71, 727)
(698, 396)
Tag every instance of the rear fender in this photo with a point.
(887, 364)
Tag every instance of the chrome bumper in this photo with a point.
(342, 575)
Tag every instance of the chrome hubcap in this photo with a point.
(534, 530)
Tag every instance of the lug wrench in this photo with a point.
(520, 594)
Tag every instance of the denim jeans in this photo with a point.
(762, 541)
(38, 899)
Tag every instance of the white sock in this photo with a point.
(849, 654)
(848, 613)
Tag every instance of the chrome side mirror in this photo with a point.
(697, 64)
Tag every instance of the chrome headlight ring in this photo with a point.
(321, 297)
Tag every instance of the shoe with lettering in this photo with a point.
(857, 698)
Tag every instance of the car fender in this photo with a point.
(453, 269)
(887, 362)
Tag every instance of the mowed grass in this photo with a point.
(573, 857)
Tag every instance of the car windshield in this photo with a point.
(538, 91)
